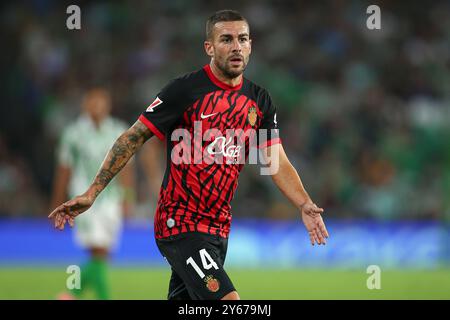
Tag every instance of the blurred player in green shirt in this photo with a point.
(82, 148)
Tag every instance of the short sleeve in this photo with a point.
(65, 151)
(168, 106)
(268, 134)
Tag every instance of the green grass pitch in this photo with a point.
(151, 283)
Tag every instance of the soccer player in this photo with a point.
(192, 220)
(83, 146)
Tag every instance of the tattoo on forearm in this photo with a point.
(122, 150)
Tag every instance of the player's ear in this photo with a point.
(209, 48)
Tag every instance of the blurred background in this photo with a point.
(364, 117)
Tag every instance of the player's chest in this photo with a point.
(223, 110)
(93, 145)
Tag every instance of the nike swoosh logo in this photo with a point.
(203, 116)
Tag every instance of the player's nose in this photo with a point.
(236, 46)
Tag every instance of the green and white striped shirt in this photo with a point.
(83, 148)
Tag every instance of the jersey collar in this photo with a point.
(219, 83)
(87, 121)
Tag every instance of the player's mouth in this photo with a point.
(237, 60)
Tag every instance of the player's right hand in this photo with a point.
(69, 210)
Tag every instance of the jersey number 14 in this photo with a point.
(207, 263)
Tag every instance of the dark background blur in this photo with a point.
(364, 114)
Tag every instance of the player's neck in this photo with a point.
(96, 122)
(219, 75)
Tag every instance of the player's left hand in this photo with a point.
(311, 209)
(316, 228)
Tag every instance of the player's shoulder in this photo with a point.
(193, 75)
(187, 81)
(256, 92)
(74, 126)
(71, 131)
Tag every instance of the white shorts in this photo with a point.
(100, 226)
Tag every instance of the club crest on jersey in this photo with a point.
(212, 283)
(252, 116)
(154, 104)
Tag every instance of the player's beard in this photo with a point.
(229, 71)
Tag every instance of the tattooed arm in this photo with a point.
(122, 150)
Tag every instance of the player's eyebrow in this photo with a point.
(227, 35)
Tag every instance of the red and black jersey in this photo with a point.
(195, 195)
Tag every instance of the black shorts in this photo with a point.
(197, 261)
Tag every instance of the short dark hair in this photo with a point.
(222, 15)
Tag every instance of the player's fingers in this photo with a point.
(62, 223)
(311, 237)
(55, 220)
(71, 212)
(71, 222)
(319, 236)
(55, 212)
(70, 219)
(316, 209)
(324, 239)
(316, 237)
(58, 222)
(323, 229)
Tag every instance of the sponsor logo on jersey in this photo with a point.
(224, 147)
(205, 116)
